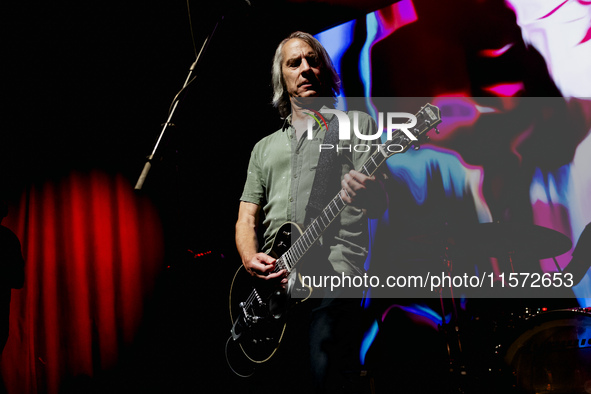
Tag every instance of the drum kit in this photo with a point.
(515, 344)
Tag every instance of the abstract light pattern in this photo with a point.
(380, 24)
(559, 198)
(459, 178)
(560, 31)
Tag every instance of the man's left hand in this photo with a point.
(365, 192)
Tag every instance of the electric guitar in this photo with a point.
(258, 308)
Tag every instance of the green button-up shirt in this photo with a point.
(281, 172)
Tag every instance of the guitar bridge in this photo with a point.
(249, 315)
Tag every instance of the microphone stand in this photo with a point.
(188, 80)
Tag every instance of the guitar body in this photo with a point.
(259, 308)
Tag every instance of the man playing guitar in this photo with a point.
(281, 172)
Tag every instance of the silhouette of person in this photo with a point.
(12, 272)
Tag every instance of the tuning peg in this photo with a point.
(427, 138)
(436, 130)
(416, 146)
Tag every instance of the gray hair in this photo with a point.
(329, 79)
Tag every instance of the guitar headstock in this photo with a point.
(428, 118)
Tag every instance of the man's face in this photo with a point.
(301, 69)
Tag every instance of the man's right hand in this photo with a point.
(259, 264)
(262, 265)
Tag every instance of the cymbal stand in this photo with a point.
(451, 332)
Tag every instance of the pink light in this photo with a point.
(587, 37)
(394, 17)
(506, 89)
(495, 52)
(458, 111)
(518, 140)
(554, 10)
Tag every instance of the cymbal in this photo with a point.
(581, 261)
(499, 239)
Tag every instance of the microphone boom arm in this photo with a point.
(188, 81)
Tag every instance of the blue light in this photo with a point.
(416, 168)
(365, 61)
(336, 41)
(368, 339)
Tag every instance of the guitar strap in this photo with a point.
(325, 174)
